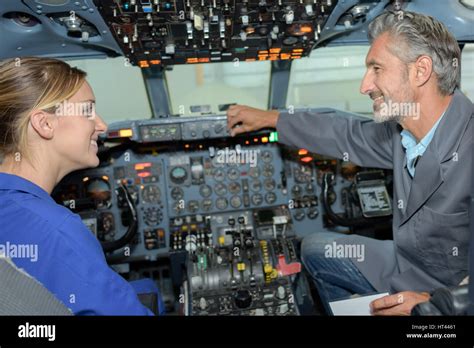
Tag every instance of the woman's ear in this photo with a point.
(43, 123)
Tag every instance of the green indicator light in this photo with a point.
(273, 137)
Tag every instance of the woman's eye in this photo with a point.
(88, 110)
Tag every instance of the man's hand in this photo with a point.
(398, 304)
(241, 119)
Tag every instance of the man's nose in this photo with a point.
(367, 84)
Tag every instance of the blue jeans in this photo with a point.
(335, 278)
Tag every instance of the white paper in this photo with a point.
(354, 306)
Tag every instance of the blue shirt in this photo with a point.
(69, 260)
(414, 149)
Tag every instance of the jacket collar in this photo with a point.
(443, 147)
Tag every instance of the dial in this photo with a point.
(220, 189)
(234, 187)
(256, 185)
(267, 156)
(205, 190)
(269, 184)
(206, 204)
(299, 214)
(193, 206)
(219, 175)
(268, 170)
(178, 175)
(152, 216)
(151, 194)
(235, 201)
(99, 191)
(221, 203)
(178, 207)
(296, 190)
(313, 213)
(254, 172)
(270, 197)
(177, 193)
(257, 199)
(233, 174)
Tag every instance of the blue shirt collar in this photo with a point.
(413, 150)
(17, 183)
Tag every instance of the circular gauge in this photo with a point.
(309, 188)
(219, 175)
(313, 213)
(254, 172)
(193, 206)
(235, 201)
(178, 207)
(234, 187)
(178, 175)
(299, 214)
(152, 216)
(177, 193)
(217, 162)
(268, 170)
(267, 156)
(151, 194)
(257, 199)
(206, 204)
(220, 189)
(303, 174)
(270, 197)
(269, 184)
(205, 190)
(256, 185)
(99, 191)
(233, 174)
(296, 190)
(221, 203)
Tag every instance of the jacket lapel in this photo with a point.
(443, 147)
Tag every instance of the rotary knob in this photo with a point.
(243, 299)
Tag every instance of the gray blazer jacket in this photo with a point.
(430, 213)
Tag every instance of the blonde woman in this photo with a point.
(40, 142)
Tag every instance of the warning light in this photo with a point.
(247, 142)
(306, 159)
(255, 140)
(302, 152)
(273, 137)
(141, 166)
(143, 64)
(264, 139)
(125, 133)
(143, 174)
(186, 146)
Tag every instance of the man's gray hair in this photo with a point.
(414, 35)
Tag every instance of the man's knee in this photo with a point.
(315, 244)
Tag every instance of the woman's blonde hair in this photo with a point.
(28, 84)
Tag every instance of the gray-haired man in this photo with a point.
(423, 130)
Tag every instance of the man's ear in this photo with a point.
(43, 123)
(423, 70)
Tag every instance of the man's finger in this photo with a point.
(238, 130)
(384, 302)
(387, 311)
(231, 122)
